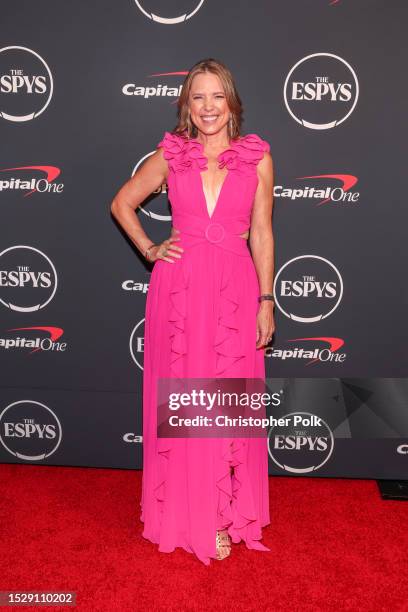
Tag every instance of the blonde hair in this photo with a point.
(185, 125)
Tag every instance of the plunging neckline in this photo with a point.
(219, 194)
(200, 177)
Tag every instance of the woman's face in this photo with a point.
(207, 102)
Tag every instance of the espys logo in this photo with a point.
(339, 194)
(329, 353)
(44, 184)
(402, 449)
(30, 430)
(308, 288)
(136, 344)
(321, 91)
(36, 343)
(304, 445)
(28, 279)
(179, 11)
(26, 84)
(154, 207)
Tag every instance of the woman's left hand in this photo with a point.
(265, 323)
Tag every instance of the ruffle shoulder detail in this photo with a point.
(182, 153)
(244, 153)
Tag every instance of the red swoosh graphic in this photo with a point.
(348, 180)
(55, 332)
(51, 171)
(177, 73)
(334, 344)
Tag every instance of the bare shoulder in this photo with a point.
(265, 165)
(155, 163)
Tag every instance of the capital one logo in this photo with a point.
(26, 84)
(45, 338)
(154, 207)
(308, 288)
(132, 437)
(177, 12)
(340, 193)
(28, 279)
(321, 91)
(303, 445)
(30, 430)
(136, 344)
(19, 180)
(155, 90)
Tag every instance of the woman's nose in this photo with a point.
(208, 105)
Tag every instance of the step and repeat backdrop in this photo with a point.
(87, 90)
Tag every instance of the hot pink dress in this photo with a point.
(201, 323)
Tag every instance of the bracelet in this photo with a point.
(266, 296)
(147, 251)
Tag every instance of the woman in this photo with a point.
(209, 312)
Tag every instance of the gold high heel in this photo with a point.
(223, 544)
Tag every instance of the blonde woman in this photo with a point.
(209, 313)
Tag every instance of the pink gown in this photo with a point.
(201, 323)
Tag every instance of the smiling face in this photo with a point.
(208, 105)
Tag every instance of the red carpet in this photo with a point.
(335, 546)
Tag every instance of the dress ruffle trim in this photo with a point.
(183, 153)
(235, 497)
(177, 323)
(227, 343)
(244, 153)
(236, 505)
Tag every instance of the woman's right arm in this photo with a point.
(149, 177)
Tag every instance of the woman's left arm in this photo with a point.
(262, 246)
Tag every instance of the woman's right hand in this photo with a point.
(166, 248)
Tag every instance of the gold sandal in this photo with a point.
(223, 544)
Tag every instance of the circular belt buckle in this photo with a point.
(214, 232)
